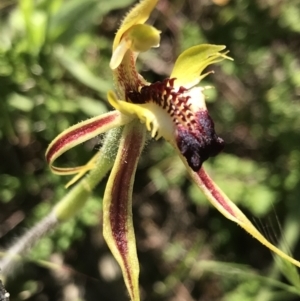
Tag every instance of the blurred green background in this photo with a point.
(54, 72)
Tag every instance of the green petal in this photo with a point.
(191, 63)
(117, 206)
(80, 133)
(221, 202)
(138, 15)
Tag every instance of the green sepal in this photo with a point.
(117, 206)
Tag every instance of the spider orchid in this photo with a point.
(173, 109)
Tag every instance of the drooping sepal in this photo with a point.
(117, 206)
(221, 202)
(80, 133)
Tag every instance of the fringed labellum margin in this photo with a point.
(192, 126)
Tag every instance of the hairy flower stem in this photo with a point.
(66, 208)
(78, 196)
(16, 252)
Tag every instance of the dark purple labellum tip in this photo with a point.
(197, 146)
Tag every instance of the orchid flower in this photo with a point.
(173, 109)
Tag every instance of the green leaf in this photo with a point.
(35, 24)
(76, 16)
(20, 102)
(82, 73)
(91, 107)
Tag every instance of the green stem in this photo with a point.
(67, 207)
(78, 196)
(16, 252)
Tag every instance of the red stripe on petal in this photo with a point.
(77, 133)
(121, 194)
(214, 190)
